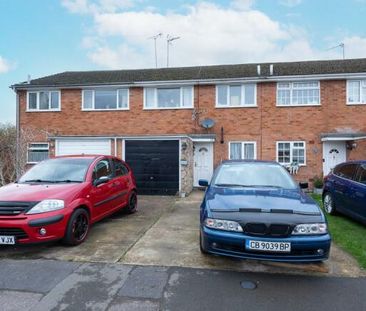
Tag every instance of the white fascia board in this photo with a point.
(341, 76)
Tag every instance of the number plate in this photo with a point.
(7, 240)
(265, 246)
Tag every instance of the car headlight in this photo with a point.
(227, 225)
(47, 206)
(306, 229)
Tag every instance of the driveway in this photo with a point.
(164, 232)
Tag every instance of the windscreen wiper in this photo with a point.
(230, 185)
(38, 180)
(260, 210)
(67, 181)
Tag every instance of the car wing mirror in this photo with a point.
(101, 180)
(303, 185)
(203, 183)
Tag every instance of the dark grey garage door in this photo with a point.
(155, 164)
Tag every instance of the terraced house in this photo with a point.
(174, 125)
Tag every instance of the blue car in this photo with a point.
(254, 209)
(345, 190)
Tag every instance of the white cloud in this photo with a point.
(355, 46)
(4, 65)
(290, 3)
(209, 34)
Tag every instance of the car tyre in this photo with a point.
(77, 228)
(202, 249)
(328, 204)
(132, 203)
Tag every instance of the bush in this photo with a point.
(317, 182)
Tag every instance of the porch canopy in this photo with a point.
(339, 136)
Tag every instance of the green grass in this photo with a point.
(347, 234)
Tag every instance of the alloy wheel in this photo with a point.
(328, 204)
(80, 227)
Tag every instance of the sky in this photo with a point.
(42, 37)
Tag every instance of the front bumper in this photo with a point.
(26, 228)
(303, 248)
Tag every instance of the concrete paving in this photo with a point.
(164, 232)
(100, 286)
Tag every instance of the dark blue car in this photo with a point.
(345, 190)
(254, 209)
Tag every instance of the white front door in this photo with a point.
(203, 162)
(334, 152)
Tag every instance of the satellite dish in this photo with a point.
(207, 123)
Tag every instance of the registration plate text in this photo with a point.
(7, 240)
(267, 246)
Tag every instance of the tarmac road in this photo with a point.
(59, 285)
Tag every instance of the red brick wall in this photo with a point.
(264, 124)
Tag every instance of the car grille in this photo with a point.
(15, 208)
(261, 229)
(17, 232)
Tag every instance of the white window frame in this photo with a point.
(49, 103)
(291, 88)
(110, 109)
(291, 151)
(361, 81)
(35, 148)
(242, 97)
(242, 148)
(155, 89)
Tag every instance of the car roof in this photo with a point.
(83, 156)
(353, 162)
(248, 161)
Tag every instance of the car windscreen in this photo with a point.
(254, 175)
(58, 170)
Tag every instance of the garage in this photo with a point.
(83, 146)
(155, 164)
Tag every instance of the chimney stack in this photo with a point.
(271, 69)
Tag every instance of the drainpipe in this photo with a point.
(17, 160)
(115, 146)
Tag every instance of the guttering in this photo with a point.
(193, 137)
(127, 137)
(341, 76)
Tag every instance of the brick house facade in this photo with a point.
(326, 120)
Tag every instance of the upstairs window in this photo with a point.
(289, 152)
(298, 93)
(37, 152)
(168, 97)
(243, 95)
(356, 92)
(43, 101)
(244, 150)
(103, 99)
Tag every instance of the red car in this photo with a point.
(61, 197)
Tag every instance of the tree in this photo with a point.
(7, 153)
(13, 156)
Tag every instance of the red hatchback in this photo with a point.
(60, 198)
